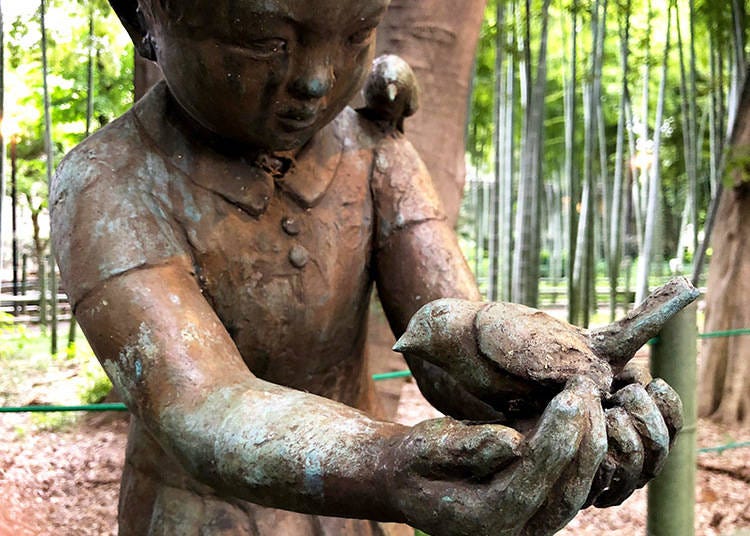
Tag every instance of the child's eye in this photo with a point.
(362, 36)
(266, 48)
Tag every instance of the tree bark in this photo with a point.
(500, 184)
(618, 189)
(725, 377)
(525, 285)
(439, 40)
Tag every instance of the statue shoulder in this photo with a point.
(103, 156)
(107, 214)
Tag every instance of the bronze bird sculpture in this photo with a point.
(391, 92)
(515, 358)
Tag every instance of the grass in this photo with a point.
(33, 375)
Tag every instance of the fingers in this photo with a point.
(569, 493)
(669, 404)
(549, 452)
(447, 448)
(640, 430)
(650, 425)
(624, 460)
(633, 372)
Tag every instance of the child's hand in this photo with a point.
(450, 478)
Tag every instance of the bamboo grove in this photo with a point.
(596, 142)
(66, 70)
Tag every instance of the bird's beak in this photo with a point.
(392, 91)
(406, 343)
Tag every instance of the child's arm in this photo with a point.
(418, 260)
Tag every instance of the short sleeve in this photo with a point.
(403, 192)
(107, 215)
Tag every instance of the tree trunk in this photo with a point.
(654, 190)
(618, 190)
(439, 41)
(584, 273)
(49, 166)
(508, 161)
(39, 247)
(725, 387)
(571, 177)
(497, 206)
(725, 377)
(90, 73)
(526, 258)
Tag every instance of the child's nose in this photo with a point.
(313, 82)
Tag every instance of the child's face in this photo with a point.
(267, 74)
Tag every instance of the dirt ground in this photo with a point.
(66, 482)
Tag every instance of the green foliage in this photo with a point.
(738, 166)
(94, 384)
(68, 59)
(483, 94)
(52, 422)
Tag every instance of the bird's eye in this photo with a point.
(362, 36)
(267, 48)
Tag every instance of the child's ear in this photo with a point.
(132, 19)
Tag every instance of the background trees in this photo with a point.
(638, 93)
(63, 79)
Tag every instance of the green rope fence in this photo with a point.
(729, 446)
(114, 406)
(727, 333)
(376, 377)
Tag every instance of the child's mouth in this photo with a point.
(297, 119)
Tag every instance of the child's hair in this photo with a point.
(184, 12)
(173, 9)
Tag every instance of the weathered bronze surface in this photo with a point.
(220, 242)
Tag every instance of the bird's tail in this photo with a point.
(618, 342)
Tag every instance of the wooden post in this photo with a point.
(71, 349)
(14, 214)
(671, 496)
(53, 304)
(24, 279)
(42, 279)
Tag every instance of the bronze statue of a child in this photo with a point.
(219, 243)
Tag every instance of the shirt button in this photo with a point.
(290, 226)
(298, 256)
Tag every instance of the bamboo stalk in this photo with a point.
(671, 496)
